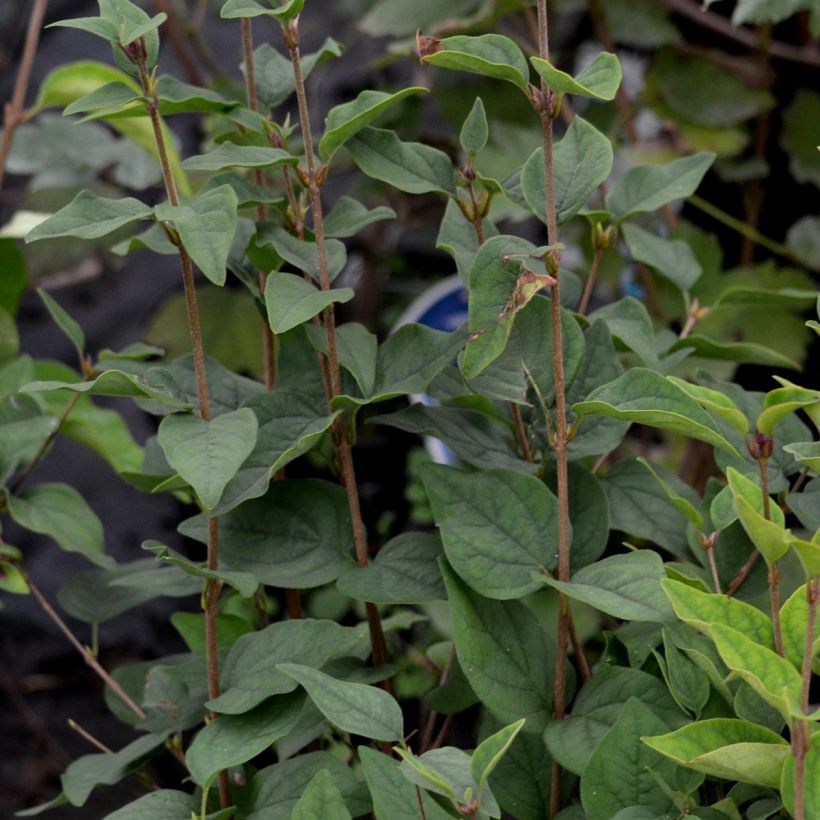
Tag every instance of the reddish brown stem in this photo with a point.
(211, 592)
(592, 278)
(774, 572)
(268, 349)
(546, 110)
(13, 114)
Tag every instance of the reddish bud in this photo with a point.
(426, 46)
(760, 446)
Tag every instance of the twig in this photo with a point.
(742, 574)
(29, 468)
(427, 734)
(13, 113)
(83, 650)
(809, 56)
(178, 43)
(589, 285)
(742, 228)
(97, 744)
(521, 432)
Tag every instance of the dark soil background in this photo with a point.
(43, 682)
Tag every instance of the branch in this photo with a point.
(13, 114)
(807, 55)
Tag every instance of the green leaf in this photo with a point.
(107, 100)
(798, 138)
(629, 323)
(490, 55)
(500, 286)
(357, 348)
(229, 155)
(394, 796)
(582, 160)
(407, 362)
(646, 397)
(726, 748)
(231, 740)
(741, 486)
(621, 772)
(250, 674)
(207, 454)
(600, 79)
(624, 586)
(118, 383)
(521, 780)
(296, 535)
(489, 752)
(61, 513)
(806, 452)
(206, 225)
(15, 275)
(772, 677)
(74, 80)
(348, 217)
(250, 8)
(131, 21)
(408, 166)
(703, 610)
(788, 399)
(163, 804)
(243, 582)
(274, 791)
(498, 527)
(321, 799)
(405, 571)
(649, 187)
(303, 255)
(793, 620)
(641, 505)
(745, 352)
(475, 438)
(290, 300)
(12, 579)
(69, 326)
(289, 424)
(447, 772)
(346, 120)
(683, 505)
(700, 91)
(80, 778)
(92, 597)
(506, 656)
(599, 704)
(352, 707)
(475, 130)
(274, 73)
(672, 258)
(718, 403)
(89, 216)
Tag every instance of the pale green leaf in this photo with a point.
(208, 453)
(600, 79)
(346, 120)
